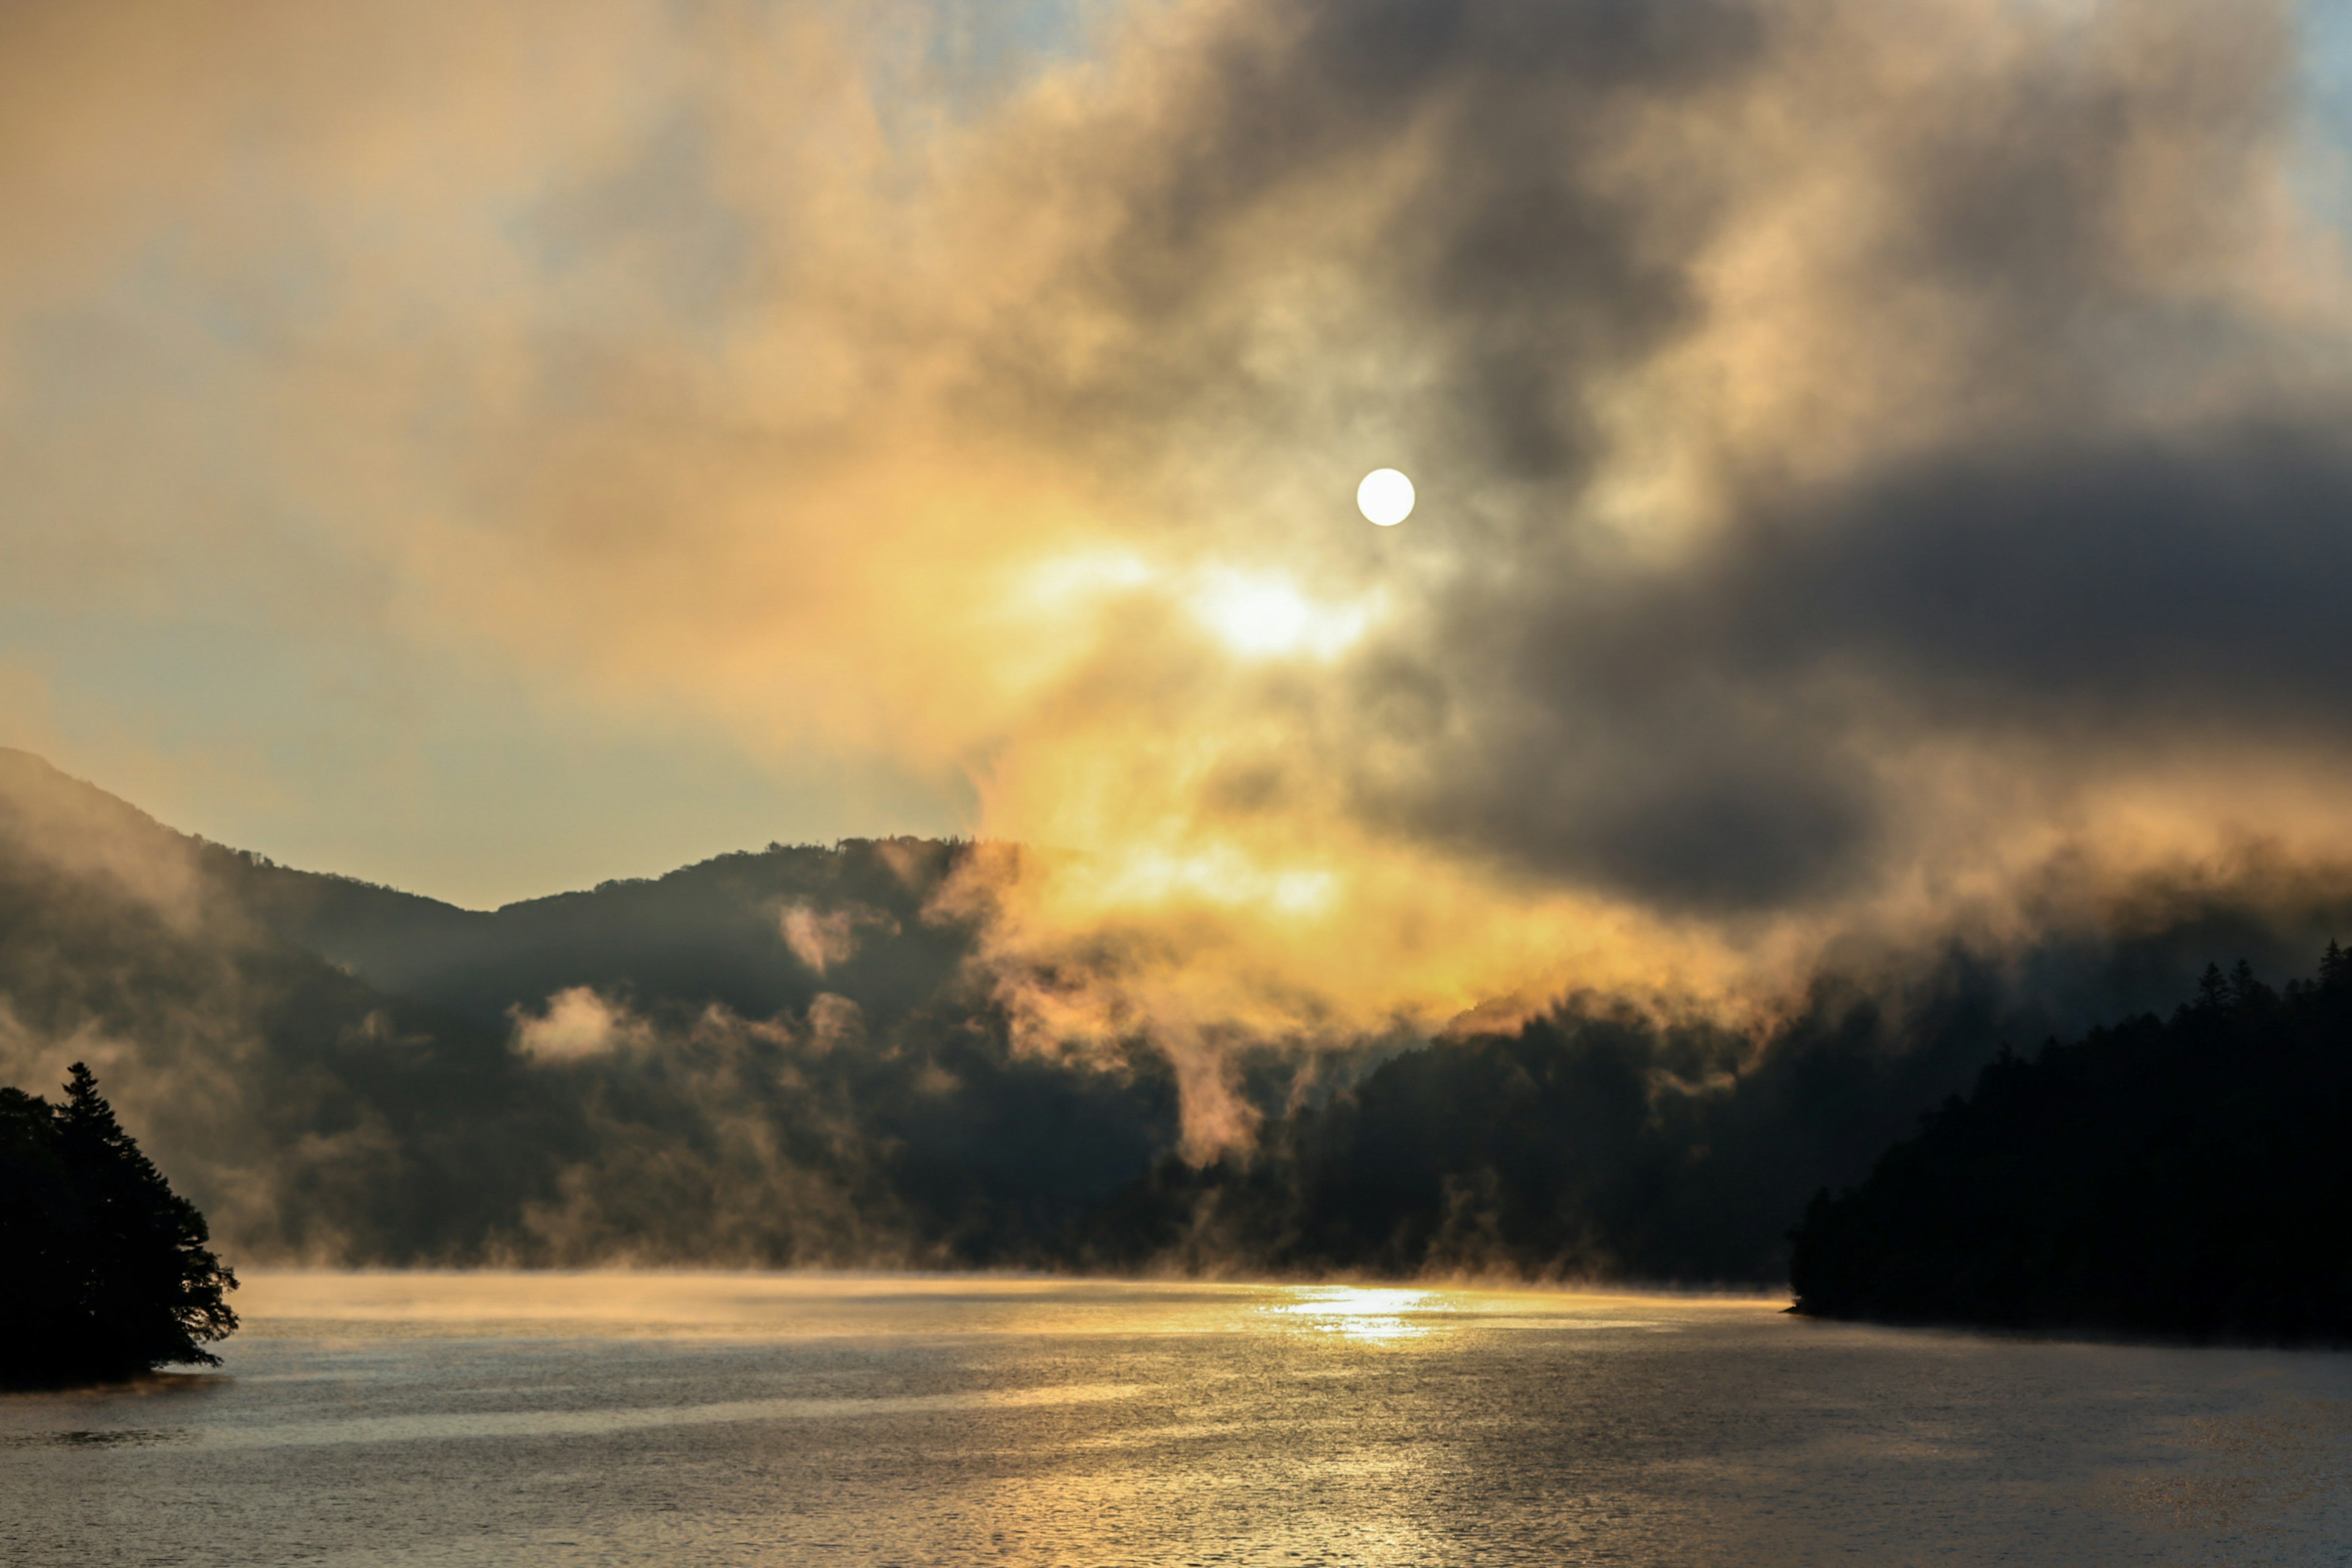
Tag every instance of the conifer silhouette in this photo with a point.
(109, 1272)
(2186, 1176)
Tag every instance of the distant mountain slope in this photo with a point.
(290, 1099)
(760, 932)
(372, 931)
(727, 1098)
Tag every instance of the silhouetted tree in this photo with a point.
(2185, 1176)
(108, 1271)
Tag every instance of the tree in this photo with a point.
(109, 1274)
(2185, 1177)
(2246, 992)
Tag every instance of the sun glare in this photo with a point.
(1264, 618)
(1357, 1312)
(1068, 579)
(1255, 615)
(1218, 876)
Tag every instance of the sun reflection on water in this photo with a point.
(1358, 1312)
(867, 1419)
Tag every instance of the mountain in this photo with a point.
(770, 1058)
(760, 933)
(788, 1057)
(285, 1095)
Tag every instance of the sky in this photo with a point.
(1883, 470)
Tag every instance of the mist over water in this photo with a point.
(624, 1419)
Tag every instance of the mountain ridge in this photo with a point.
(786, 1058)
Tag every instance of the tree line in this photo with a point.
(2187, 1176)
(2184, 1175)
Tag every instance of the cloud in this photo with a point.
(822, 938)
(575, 1024)
(1869, 455)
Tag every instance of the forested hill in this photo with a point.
(770, 1058)
(2188, 1175)
(1595, 1144)
(760, 932)
(785, 1058)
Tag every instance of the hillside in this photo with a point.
(784, 1058)
(760, 932)
(342, 1073)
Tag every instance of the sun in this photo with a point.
(1385, 497)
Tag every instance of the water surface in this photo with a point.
(628, 1419)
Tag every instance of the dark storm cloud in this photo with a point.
(1549, 177)
(1512, 245)
(2091, 516)
(2196, 580)
(1705, 736)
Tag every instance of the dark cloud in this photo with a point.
(2167, 580)
(1706, 737)
(1505, 239)
(2062, 486)
(1683, 787)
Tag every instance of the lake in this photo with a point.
(744, 1419)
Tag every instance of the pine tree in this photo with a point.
(2245, 991)
(111, 1274)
